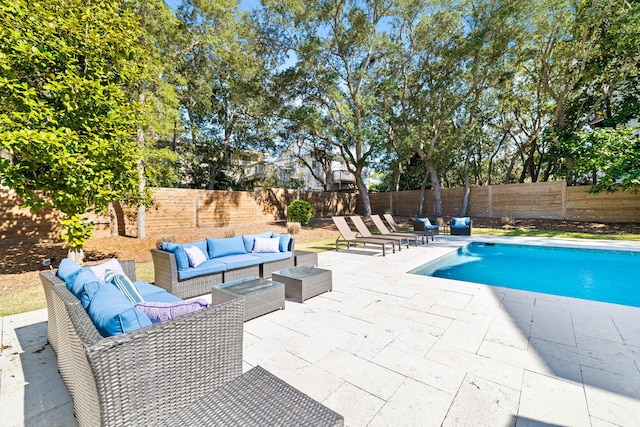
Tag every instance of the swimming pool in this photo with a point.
(600, 275)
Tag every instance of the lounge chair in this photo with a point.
(382, 228)
(365, 232)
(396, 228)
(348, 237)
(460, 226)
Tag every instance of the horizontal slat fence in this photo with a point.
(544, 200)
(184, 208)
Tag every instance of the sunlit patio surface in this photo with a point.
(388, 348)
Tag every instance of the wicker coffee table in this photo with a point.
(261, 296)
(303, 282)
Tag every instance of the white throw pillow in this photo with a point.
(100, 269)
(266, 245)
(195, 255)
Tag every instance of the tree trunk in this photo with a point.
(143, 183)
(437, 190)
(467, 188)
(423, 185)
(76, 254)
(364, 194)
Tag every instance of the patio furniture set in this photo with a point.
(122, 366)
(396, 237)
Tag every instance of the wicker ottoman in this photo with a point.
(256, 398)
(303, 282)
(260, 296)
(305, 258)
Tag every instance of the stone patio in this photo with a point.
(391, 348)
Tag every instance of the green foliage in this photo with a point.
(161, 167)
(299, 211)
(67, 123)
(612, 155)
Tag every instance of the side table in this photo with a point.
(260, 296)
(303, 282)
(305, 258)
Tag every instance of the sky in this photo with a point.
(245, 4)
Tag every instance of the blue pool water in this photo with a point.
(600, 275)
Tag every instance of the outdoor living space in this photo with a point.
(385, 347)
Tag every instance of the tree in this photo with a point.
(330, 90)
(68, 124)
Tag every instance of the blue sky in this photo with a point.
(245, 4)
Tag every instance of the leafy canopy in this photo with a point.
(67, 124)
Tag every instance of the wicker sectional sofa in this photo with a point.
(228, 259)
(182, 371)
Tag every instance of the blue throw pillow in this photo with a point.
(83, 278)
(68, 270)
(225, 246)
(112, 313)
(182, 262)
(285, 239)
(460, 222)
(425, 220)
(126, 286)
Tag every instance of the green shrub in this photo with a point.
(299, 211)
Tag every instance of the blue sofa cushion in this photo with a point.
(182, 262)
(84, 277)
(268, 257)
(112, 313)
(239, 261)
(460, 222)
(225, 246)
(68, 270)
(208, 267)
(285, 240)
(427, 224)
(250, 239)
(154, 293)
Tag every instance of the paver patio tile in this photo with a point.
(482, 403)
(429, 372)
(627, 321)
(464, 335)
(552, 401)
(416, 404)
(596, 324)
(555, 328)
(317, 383)
(372, 378)
(357, 406)
(483, 367)
(507, 332)
(613, 398)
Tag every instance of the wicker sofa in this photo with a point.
(232, 265)
(156, 374)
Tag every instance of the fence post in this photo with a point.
(197, 212)
(564, 200)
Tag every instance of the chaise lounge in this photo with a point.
(349, 237)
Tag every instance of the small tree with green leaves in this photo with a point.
(67, 124)
(299, 211)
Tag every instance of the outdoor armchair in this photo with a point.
(460, 226)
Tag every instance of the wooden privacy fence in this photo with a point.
(548, 200)
(183, 208)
